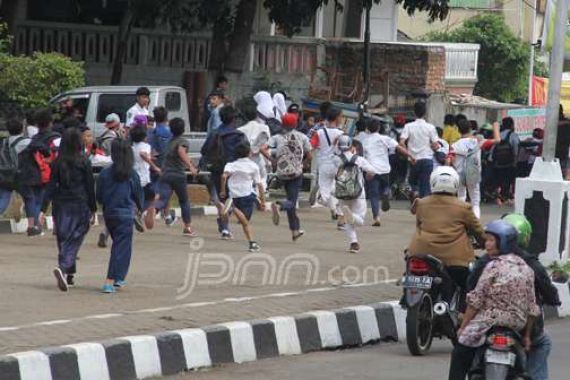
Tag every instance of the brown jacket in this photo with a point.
(442, 226)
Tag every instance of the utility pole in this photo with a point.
(532, 47)
(366, 68)
(555, 82)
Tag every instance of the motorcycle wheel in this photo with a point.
(419, 326)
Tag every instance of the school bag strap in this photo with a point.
(327, 136)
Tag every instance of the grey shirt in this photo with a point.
(173, 164)
(21, 145)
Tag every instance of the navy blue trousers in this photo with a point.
(72, 222)
(121, 231)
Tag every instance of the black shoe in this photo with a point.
(254, 247)
(385, 203)
(102, 243)
(70, 281)
(35, 231)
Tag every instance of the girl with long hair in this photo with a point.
(120, 193)
(71, 190)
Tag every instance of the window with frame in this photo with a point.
(114, 103)
(475, 4)
(172, 101)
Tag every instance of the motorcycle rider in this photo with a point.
(546, 294)
(443, 226)
(504, 296)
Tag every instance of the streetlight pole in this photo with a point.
(366, 68)
(555, 82)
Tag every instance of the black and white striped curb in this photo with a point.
(139, 357)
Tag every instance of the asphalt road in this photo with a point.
(382, 361)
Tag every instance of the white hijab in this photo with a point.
(265, 104)
(280, 106)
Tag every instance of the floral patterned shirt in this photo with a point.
(504, 296)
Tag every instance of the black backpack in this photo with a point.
(503, 154)
(215, 159)
(9, 168)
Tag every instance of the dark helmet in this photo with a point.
(505, 234)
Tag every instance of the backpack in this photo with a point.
(348, 185)
(215, 159)
(470, 173)
(9, 163)
(35, 160)
(101, 140)
(503, 155)
(289, 163)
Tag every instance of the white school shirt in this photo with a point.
(326, 151)
(420, 135)
(377, 150)
(134, 111)
(461, 147)
(141, 166)
(244, 175)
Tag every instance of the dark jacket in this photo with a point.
(119, 199)
(77, 186)
(230, 137)
(546, 292)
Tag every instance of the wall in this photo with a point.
(410, 66)
(418, 26)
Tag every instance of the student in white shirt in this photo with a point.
(324, 141)
(241, 177)
(354, 210)
(143, 165)
(466, 153)
(258, 134)
(140, 107)
(421, 137)
(377, 150)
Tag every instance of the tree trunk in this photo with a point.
(218, 48)
(240, 39)
(122, 45)
(8, 10)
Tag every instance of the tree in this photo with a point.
(503, 58)
(231, 23)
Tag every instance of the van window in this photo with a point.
(172, 101)
(114, 103)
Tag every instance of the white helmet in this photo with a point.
(444, 179)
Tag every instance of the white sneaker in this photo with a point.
(348, 215)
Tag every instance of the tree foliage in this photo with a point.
(290, 15)
(32, 81)
(503, 58)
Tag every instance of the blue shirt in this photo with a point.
(159, 138)
(214, 121)
(119, 198)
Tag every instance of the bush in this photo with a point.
(503, 58)
(33, 81)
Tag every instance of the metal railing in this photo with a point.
(461, 61)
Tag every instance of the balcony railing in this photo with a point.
(97, 44)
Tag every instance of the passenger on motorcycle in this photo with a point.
(444, 225)
(546, 294)
(504, 296)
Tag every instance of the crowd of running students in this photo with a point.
(142, 162)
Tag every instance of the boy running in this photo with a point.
(354, 209)
(240, 177)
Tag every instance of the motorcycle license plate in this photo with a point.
(419, 282)
(500, 357)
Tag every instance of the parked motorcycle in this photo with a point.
(431, 299)
(501, 357)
